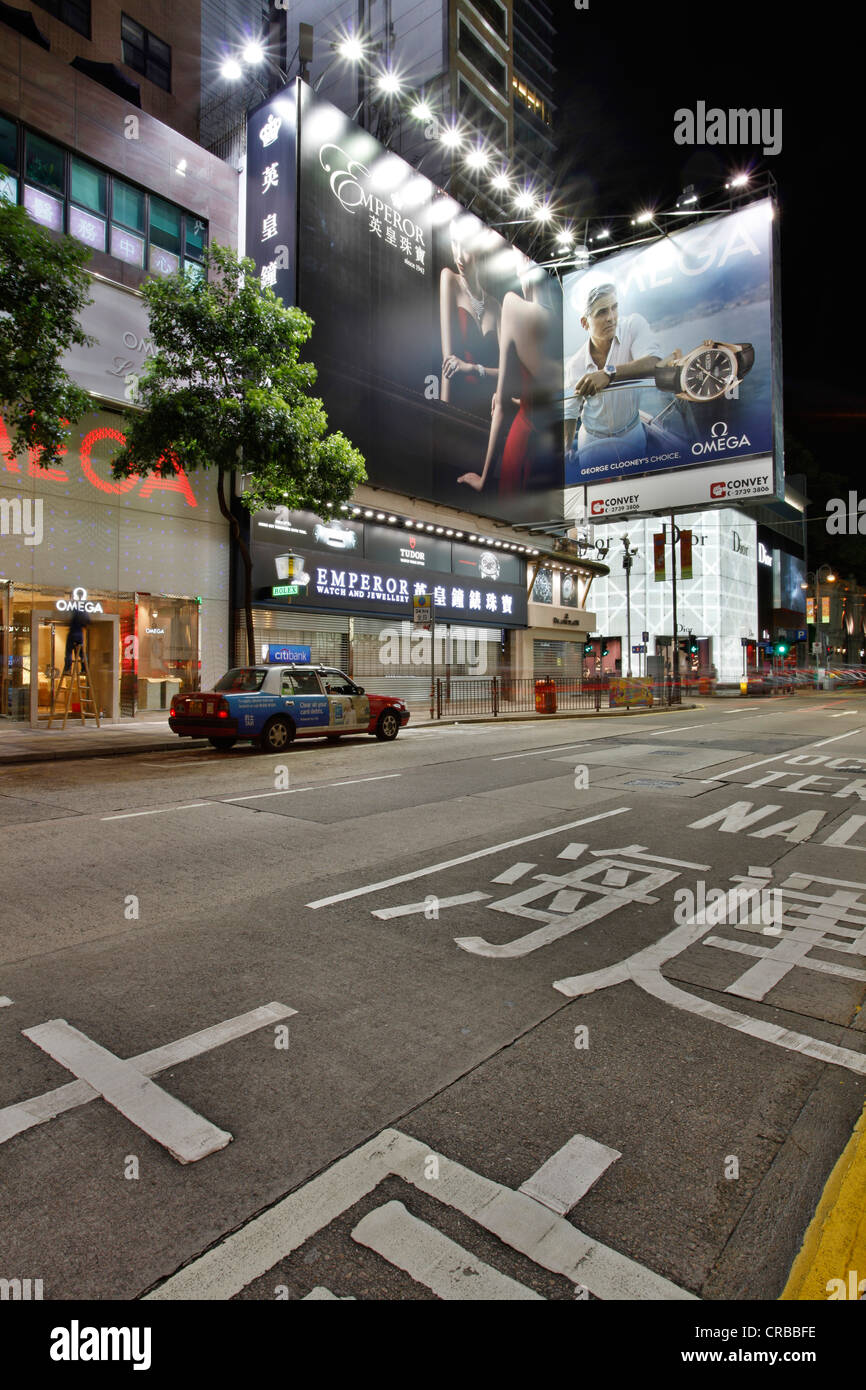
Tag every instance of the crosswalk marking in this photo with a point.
(518, 1220)
(430, 1258)
(570, 1173)
(14, 1119)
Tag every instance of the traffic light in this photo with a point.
(782, 649)
(604, 649)
(693, 644)
(588, 649)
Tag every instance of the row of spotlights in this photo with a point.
(390, 83)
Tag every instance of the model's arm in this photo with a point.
(507, 386)
(447, 312)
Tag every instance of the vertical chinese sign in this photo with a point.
(272, 140)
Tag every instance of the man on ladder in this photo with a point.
(77, 671)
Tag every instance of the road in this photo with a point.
(443, 1018)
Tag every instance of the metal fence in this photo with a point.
(502, 695)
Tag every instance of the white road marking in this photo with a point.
(644, 968)
(515, 872)
(672, 729)
(411, 909)
(777, 757)
(463, 859)
(5, 1001)
(432, 1259)
(570, 1173)
(186, 1135)
(16, 1118)
(843, 712)
(160, 811)
(321, 1295)
(540, 752)
(823, 967)
(320, 787)
(513, 1217)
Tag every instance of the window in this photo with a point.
(495, 14)
(44, 163)
(8, 160)
(481, 57)
(87, 186)
(480, 115)
(75, 13)
(242, 680)
(144, 52)
(106, 213)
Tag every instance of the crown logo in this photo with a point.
(270, 130)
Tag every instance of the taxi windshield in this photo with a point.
(242, 680)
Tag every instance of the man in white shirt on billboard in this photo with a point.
(617, 349)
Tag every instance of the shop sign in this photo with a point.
(78, 603)
(287, 656)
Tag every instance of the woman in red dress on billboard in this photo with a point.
(469, 321)
(528, 367)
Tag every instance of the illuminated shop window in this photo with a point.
(87, 203)
(536, 104)
(8, 160)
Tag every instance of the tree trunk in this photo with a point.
(248, 565)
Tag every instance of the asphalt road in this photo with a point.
(490, 966)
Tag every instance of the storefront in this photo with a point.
(145, 561)
(717, 593)
(343, 590)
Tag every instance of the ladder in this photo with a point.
(78, 676)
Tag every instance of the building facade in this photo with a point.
(147, 560)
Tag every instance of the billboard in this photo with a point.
(438, 345)
(666, 492)
(685, 324)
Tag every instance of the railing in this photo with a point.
(499, 695)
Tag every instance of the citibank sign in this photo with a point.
(79, 603)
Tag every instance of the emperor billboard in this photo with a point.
(670, 353)
(438, 345)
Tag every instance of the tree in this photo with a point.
(226, 389)
(43, 289)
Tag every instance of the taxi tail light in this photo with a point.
(222, 709)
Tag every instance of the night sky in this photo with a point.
(625, 68)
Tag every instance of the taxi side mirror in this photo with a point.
(359, 690)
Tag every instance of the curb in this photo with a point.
(65, 755)
(177, 745)
(831, 1263)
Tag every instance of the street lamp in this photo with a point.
(824, 573)
(629, 553)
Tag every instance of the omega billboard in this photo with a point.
(676, 344)
(438, 346)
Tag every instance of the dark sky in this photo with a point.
(625, 68)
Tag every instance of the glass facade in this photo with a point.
(141, 649)
(68, 194)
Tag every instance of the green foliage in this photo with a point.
(226, 389)
(43, 289)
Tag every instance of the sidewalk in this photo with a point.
(149, 733)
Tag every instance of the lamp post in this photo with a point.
(825, 572)
(629, 553)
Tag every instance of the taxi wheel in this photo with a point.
(333, 738)
(277, 735)
(222, 745)
(388, 726)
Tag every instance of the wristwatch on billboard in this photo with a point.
(707, 372)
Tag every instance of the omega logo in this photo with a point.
(79, 603)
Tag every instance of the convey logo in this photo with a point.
(76, 1343)
(628, 502)
(740, 487)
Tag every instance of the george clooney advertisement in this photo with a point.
(438, 345)
(669, 352)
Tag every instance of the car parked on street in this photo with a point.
(270, 706)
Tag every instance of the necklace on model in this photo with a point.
(476, 305)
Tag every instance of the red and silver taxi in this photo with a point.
(270, 706)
